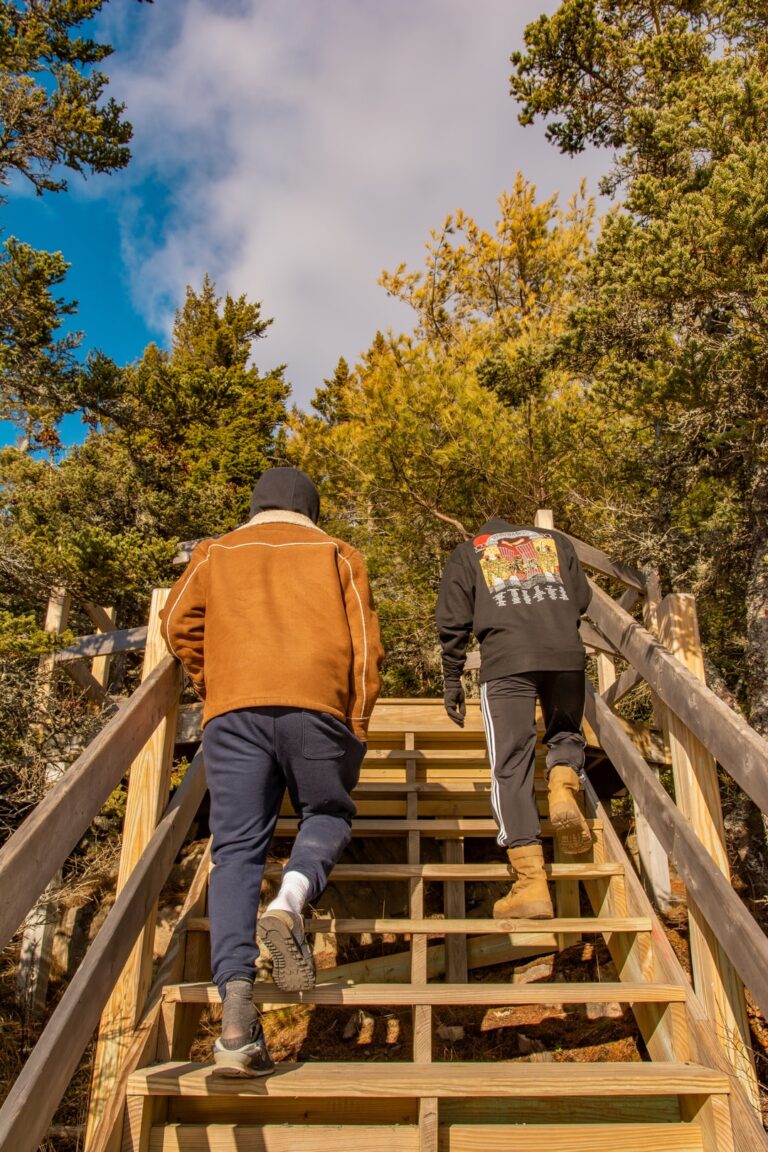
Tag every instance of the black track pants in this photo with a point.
(509, 716)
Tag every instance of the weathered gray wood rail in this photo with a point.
(740, 936)
(34, 1098)
(41, 845)
(105, 644)
(740, 750)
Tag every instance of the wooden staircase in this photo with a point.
(421, 771)
(425, 790)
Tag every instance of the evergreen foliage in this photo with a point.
(671, 330)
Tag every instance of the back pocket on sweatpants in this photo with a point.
(323, 737)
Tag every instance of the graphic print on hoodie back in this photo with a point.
(522, 591)
(520, 566)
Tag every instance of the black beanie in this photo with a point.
(288, 489)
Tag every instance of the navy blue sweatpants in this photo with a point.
(251, 756)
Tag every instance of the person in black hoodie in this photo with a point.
(522, 591)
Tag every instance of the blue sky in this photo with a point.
(293, 151)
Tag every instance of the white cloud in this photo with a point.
(305, 145)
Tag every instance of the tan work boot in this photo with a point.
(528, 898)
(570, 827)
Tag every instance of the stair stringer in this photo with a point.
(748, 1132)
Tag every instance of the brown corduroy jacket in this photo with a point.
(277, 613)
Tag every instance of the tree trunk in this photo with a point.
(753, 842)
(757, 603)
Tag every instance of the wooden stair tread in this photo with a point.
(670, 1137)
(500, 871)
(437, 826)
(474, 993)
(495, 1078)
(440, 927)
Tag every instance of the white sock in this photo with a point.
(293, 894)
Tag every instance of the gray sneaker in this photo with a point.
(293, 965)
(250, 1059)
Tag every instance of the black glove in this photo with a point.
(454, 702)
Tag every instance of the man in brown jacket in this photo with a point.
(275, 626)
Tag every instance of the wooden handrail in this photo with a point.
(41, 845)
(598, 560)
(34, 1098)
(739, 935)
(740, 750)
(122, 640)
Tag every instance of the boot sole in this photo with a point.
(291, 971)
(236, 1066)
(533, 912)
(571, 830)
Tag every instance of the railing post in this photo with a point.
(148, 790)
(653, 858)
(698, 797)
(100, 666)
(40, 927)
(653, 862)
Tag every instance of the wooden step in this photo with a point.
(480, 872)
(406, 1138)
(444, 828)
(440, 927)
(454, 1079)
(391, 995)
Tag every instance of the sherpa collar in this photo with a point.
(281, 516)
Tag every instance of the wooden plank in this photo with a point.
(148, 789)
(653, 858)
(741, 751)
(457, 1078)
(342, 872)
(100, 665)
(583, 992)
(36, 947)
(439, 827)
(738, 933)
(146, 1042)
(99, 617)
(567, 903)
(428, 1124)
(440, 927)
(284, 1138)
(482, 951)
(190, 716)
(565, 1138)
(697, 793)
(616, 690)
(654, 866)
(45, 839)
(84, 678)
(33, 1099)
(140, 1117)
(749, 1133)
(404, 1138)
(599, 562)
(421, 1014)
(455, 909)
(104, 644)
(594, 640)
(712, 1115)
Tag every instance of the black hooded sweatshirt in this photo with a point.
(522, 591)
